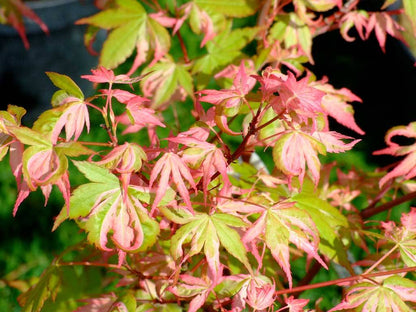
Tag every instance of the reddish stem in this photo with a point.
(371, 211)
(183, 47)
(343, 280)
(95, 143)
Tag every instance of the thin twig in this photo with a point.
(95, 264)
(371, 211)
(183, 47)
(343, 280)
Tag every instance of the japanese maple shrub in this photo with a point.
(179, 212)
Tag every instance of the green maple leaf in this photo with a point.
(209, 232)
(66, 84)
(410, 11)
(104, 212)
(327, 220)
(235, 8)
(131, 28)
(224, 49)
(47, 287)
(293, 32)
(390, 295)
(282, 224)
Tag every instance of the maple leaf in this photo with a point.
(294, 305)
(198, 288)
(335, 103)
(47, 287)
(390, 295)
(137, 115)
(270, 79)
(200, 21)
(70, 110)
(330, 243)
(281, 224)
(260, 296)
(293, 149)
(403, 237)
(224, 49)
(104, 75)
(236, 8)
(171, 165)
(293, 32)
(131, 28)
(382, 23)
(124, 158)
(333, 141)
(14, 11)
(298, 96)
(407, 167)
(208, 232)
(256, 290)
(410, 11)
(231, 99)
(42, 163)
(74, 116)
(167, 81)
(203, 155)
(11, 117)
(105, 210)
(102, 303)
(359, 19)
(322, 5)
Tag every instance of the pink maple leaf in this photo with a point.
(335, 103)
(202, 154)
(359, 19)
(104, 75)
(234, 96)
(382, 24)
(409, 220)
(75, 115)
(42, 169)
(204, 21)
(294, 305)
(407, 167)
(126, 158)
(333, 141)
(299, 96)
(260, 296)
(137, 115)
(120, 220)
(171, 165)
(231, 71)
(14, 17)
(257, 291)
(270, 80)
(163, 19)
(293, 150)
(103, 303)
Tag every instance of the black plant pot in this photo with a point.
(23, 80)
